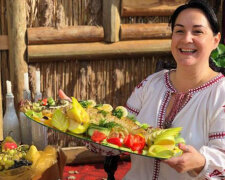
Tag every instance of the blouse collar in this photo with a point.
(170, 87)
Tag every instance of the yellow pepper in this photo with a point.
(77, 112)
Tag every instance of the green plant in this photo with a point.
(218, 56)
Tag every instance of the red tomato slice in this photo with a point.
(44, 101)
(135, 142)
(115, 140)
(98, 136)
(129, 141)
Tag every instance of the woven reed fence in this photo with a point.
(106, 80)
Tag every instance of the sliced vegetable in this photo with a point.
(135, 142)
(94, 127)
(44, 102)
(115, 140)
(179, 139)
(105, 107)
(161, 151)
(165, 140)
(50, 101)
(98, 136)
(60, 121)
(77, 112)
(77, 128)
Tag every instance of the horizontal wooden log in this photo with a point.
(52, 52)
(145, 31)
(70, 34)
(4, 42)
(148, 8)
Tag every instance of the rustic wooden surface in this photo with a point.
(145, 31)
(1, 110)
(4, 42)
(111, 20)
(149, 7)
(16, 13)
(70, 34)
(51, 52)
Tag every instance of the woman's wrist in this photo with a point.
(202, 162)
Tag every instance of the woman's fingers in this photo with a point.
(185, 148)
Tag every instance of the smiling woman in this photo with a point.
(189, 96)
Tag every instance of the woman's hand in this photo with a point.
(191, 160)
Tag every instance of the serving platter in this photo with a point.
(102, 128)
(105, 148)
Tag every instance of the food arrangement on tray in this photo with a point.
(105, 125)
(24, 161)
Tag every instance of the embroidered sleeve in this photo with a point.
(134, 102)
(215, 151)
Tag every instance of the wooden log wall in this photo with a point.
(107, 80)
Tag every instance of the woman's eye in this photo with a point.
(179, 31)
(198, 32)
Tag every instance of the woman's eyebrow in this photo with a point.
(178, 25)
(196, 26)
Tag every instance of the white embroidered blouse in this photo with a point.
(202, 117)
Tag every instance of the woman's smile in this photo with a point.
(192, 39)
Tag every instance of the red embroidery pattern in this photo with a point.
(215, 80)
(204, 86)
(215, 173)
(163, 109)
(132, 110)
(156, 169)
(168, 84)
(217, 135)
(161, 118)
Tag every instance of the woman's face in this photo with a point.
(192, 39)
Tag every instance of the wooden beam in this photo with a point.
(145, 31)
(111, 20)
(4, 42)
(149, 7)
(71, 34)
(16, 13)
(52, 52)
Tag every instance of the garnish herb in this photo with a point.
(110, 125)
(84, 104)
(118, 113)
(98, 105)
(104, 113)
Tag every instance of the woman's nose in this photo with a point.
(188, 37)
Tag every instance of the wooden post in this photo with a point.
(1, 111)
(16, 14)
(111, 20)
